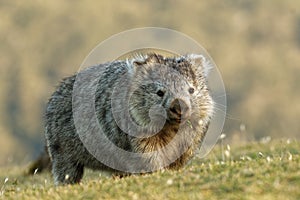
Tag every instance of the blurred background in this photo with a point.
(255, 44)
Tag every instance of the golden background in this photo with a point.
(255, 44)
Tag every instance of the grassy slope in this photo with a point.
(253, 171)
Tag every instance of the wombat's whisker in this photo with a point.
(220, 96)
(227, 115)
(220, 105)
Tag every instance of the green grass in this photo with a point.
(253, 171)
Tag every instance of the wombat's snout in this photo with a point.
(179, 110)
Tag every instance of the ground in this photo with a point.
(260, 170)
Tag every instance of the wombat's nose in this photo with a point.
(179, 108)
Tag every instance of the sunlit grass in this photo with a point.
(255, 171)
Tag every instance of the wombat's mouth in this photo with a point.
(178, 112)
(177, 120)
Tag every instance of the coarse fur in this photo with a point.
(183, 95)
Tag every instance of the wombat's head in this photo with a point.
(172, 90)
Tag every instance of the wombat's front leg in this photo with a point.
(66, 171)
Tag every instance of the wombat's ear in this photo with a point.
(140, 59)
(200, 63)
(141, 63)
(154, 58)
(137, 65)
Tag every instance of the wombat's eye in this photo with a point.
(191, 90)
(160, 93)
(180, 60)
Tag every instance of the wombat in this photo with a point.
(153, 107)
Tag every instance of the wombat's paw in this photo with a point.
(67, 173)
